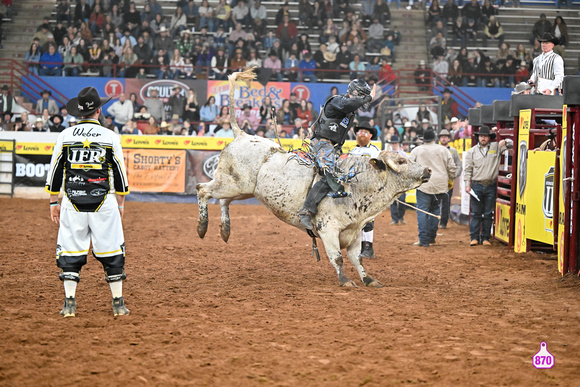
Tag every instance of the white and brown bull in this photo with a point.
(252, 166)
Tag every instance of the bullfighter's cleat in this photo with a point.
(119, 308)
(70, 307)
(305, 219)
(367, 250)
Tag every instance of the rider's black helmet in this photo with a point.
(359, 87)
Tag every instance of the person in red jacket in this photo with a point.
(287, 33)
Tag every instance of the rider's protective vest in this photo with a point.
(334, 129)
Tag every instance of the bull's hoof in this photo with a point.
(202, 228)
(374, 284)
(225, 232)
(348, 284)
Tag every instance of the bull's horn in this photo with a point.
(393, 165)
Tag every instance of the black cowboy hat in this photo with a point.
(429, 135)
(446, 90)
(86, 103)
(56, 115)
(485, 131)
(45, 92)
(548, 37)
(366, 126)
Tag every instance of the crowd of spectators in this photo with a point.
(119, 38)
(476, 26)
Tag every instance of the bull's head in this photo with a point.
(411, 174)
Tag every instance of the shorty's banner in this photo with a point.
(521, 244)
(156, 170)
(502, 222)
(30, 170)
(540, 197)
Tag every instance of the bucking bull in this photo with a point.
(252, 166)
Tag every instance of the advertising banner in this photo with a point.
(174, 142)
(502, 222)
(201, 166)
(156, 170)
(30, 170)
(33, 148)
(143, 87)
(540, 198)
(520, 245)
(562, 237)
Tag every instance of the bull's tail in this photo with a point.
(246, 76)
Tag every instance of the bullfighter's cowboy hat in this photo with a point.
(485, 131)
(86, 103)
(366, 126)
(548, 37)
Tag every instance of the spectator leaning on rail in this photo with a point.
(431, 194)
(480, 175)
(121, 110)
(548, 72)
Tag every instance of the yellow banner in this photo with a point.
(502, 222)
(6, 146)
(520, 245)
(156, 170)
(540, 197)
(562, 240)
(34, 148)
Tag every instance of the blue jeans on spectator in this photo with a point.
(50, 72)
(428, 224)
(71, 72)
(309, 78)
(398, 209)
(481, 215)
(398, 3)
(445, 208)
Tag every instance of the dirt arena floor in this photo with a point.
(261, 311)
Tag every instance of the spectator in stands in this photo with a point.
(42, 35)
(238, 62)
(472, 11)
(178, 22)
(241, 14)
(316, 17)
(343, 59)
(156, 8)
(128, 63)
(206, 16)
(504, 51)
(470, 69)
(163, 41)
(521, 53)
(438, 45)
(254, 60)
(440, 67)
(493, 30)
(191, 12)
(522, 73)
(548, 72)
(357, 68)
(82, 12)
(209, 110)
(128, 37)
(286, 32)
(152, 127)
(132, 18)
(456, 77)
(223, 15)
(267, 109)
(156, 25)
(433, 14)
(422, 76)
(116, 16)
(387, 74)
(177, 101)
(46, 102)
(439, 27)
(507, 68)
(59, 32)
(450, 12)
(33, 59)
(63, 12)
(51, 62)
(488, 72)
(273, 62)
(304, 114)
(176, 64)
(96, 20)
(219, 64)
(303, 44)
(258, 11)
(307, 67)
(154, 105)
(283, 11)
(73, 62)
(471, 32)
(487, 11)
(381, 11)
(560, 30)
(540, 27)
(449, 107)
(146, 14)
(142, 51)
(285, 115)
(330, 29)
(459, 31)
(376, 36)
(121, 110)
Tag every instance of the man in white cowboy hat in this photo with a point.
(430, 195)
(548, 72)
(364, 134)
(444, 139)
(480, 175)
(88, 160)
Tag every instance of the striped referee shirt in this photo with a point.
(548, 72)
